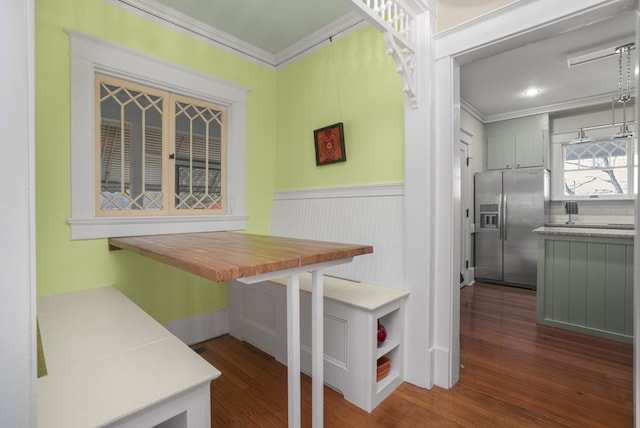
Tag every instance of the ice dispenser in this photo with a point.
(488, 216)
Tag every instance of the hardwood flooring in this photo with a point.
(515, 374)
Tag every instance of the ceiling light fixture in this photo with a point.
(532, 92)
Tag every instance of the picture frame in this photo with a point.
(329, 144)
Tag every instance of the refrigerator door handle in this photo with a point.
(504, 216)
(500, 218)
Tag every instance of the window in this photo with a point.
(598, 169)
(155, 148)
(148, 168)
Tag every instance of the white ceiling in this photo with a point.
(493, 87)
(270, 25)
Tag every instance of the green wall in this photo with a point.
(284, 107)
(353, 81)
(65, 265)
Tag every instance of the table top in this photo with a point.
(223, 256)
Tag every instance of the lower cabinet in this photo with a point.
(586, 284)
(351, 314)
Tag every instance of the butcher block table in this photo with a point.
(223, 256)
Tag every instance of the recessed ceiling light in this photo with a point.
(532, 92)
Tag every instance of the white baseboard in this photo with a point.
(200, 328)
(442, 368)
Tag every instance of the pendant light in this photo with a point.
(623, 96)
(624, 91)
(581, 138)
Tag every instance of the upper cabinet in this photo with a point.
(500, 151)
(530, 149)
(517, 143)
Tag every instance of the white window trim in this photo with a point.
(557, 158)
(90, 55)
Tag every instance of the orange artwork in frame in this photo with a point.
(329, 143)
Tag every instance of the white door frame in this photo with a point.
(511, 26)
(17, 264)
(466, 201)
(636, 269)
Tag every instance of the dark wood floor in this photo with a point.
(515, 374)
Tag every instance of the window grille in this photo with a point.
(153, 144)
(595, 169)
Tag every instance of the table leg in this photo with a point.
(317, 351)
(293, 349)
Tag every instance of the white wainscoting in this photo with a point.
(370, 214)
(365, 215)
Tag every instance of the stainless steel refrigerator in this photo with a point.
(508, 206)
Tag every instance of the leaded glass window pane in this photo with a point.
(199, 132)
(131, 141)
(156, 145)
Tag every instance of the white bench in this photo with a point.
(110, 364)
(351, 312)
(369, 214)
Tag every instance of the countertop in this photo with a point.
(586, 231)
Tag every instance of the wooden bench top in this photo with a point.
(222, 256)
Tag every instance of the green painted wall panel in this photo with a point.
(628, 307)
(561, 280)
(596, 280)
(353, 81)
(547, 291)
(64, 265)
(586, 284)
(283, 109)
(578, 283)
(615, 288)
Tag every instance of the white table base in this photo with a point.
(293, 337)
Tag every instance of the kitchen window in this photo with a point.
(598, 169)
(155, 148)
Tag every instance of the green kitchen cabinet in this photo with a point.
(585, 283)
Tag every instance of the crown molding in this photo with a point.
(472, 111)
(314, 41)
(168, 17)
(552, 108)
(175, 20)
(549, 108)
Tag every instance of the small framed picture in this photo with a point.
(329, 143)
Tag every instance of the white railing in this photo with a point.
(396, 21)
(393, 13)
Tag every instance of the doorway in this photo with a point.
(516, 26)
